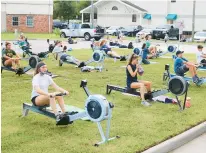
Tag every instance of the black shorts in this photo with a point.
(33, 100)
(203, 61)
(182, 70)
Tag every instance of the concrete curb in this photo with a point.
(179, 140)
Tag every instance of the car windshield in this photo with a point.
(201, 34)
(164, 27)
(111, 28)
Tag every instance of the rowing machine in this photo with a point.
(33, 61)
(97, 109)
(170, 49)
(149, 96)
(167, 75)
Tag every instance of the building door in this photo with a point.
(3, 21)
(170, 22)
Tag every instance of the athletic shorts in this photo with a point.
(182, 70)
(33, 100)
(129, 84)
(203, 61)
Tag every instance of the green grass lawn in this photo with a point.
(11, 36)
(138, 126)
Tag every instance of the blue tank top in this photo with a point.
(131, 79)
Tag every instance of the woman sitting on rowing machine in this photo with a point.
(8, 57)
(40, 95)
(61, 52)
(108, 51)
(133, 68)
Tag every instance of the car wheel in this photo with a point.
(63, 35)
(87, 36)
(97, 38)
(114, 34)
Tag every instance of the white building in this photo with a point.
(27, 15)
(149, 13)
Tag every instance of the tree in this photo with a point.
(64, 10)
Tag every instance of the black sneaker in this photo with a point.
(82, 64)
(123, 58)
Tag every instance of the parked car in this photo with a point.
(160, 31)
(131, 31)
(59, 24)
(200, 36)
(144, 32)
(83, 31)
(113, 30)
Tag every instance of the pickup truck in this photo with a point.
(83, 31)
(160, 32)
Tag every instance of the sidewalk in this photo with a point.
(197, 145)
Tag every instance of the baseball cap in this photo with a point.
(179, 52)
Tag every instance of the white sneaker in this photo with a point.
(145, 103)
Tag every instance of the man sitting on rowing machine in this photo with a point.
(201, 56)
(133, 68)
(108, 51)
(8, 57)
(61, 52)
(40, 95)
(182, 65)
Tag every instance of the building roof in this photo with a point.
(133, 5)
(124, 2)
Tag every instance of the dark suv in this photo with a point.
(160, 31)
(59, 24)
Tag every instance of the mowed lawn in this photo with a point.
(138, 126)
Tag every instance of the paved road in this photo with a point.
(197, 145)
(41, 45)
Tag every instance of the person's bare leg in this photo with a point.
(45, 100)
(8, 63)
(191, 70)
(115, 54)
(60, 100)
(53, 105)
(141, 87)
(148, 85)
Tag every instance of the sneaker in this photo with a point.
(123, 58)
(58, 118)
(195, 79)
(145, 103)
(82, 64)
(200, 82)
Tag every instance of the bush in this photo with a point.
(56, 31)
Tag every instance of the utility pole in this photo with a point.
(193, 20)
(92, 13)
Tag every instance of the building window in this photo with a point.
(114, 8)
(173, 1)
(15, 21)
(29, 21)
(134, 18)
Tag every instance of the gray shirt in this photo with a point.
(59, 51)
(43, 82)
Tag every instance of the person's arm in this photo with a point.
(203, 55)
(56, 87)
(133, 74)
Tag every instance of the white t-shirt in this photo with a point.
(43, 82)
(199, 56)
(58, 50)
